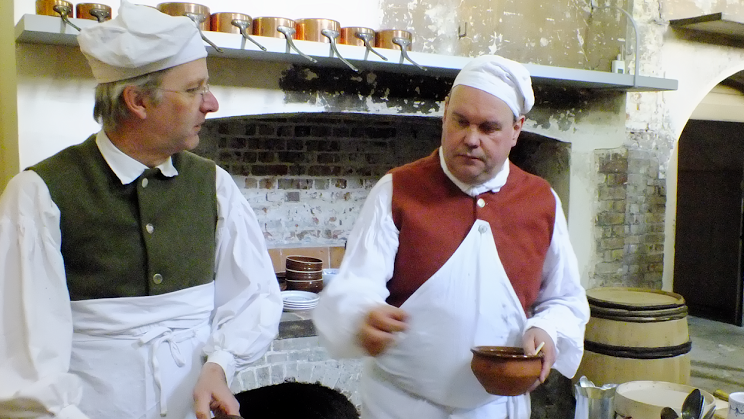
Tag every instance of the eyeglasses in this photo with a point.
(192, 92)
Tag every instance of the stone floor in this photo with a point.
(717, 355)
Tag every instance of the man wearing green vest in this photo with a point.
(135, 278)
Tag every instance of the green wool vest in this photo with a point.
(153, 236)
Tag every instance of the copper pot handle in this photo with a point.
(403, 43)
(368, 40)
(332, 35)
(100, 14)
(63, 12)
(198, 19)
(243, 26)
(288, 34)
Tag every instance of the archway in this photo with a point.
(708, 230)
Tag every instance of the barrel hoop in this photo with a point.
(639, 316)
(636, 352)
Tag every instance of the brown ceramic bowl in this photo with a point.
(303, 275)
(315, 285)
(505, 370)
(304, 263)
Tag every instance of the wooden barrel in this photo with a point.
(636, 334)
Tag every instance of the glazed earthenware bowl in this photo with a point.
(505, 370)
(314, 285)
(303, 263)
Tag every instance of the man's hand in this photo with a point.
(532, 338)
(211, 393)
(378, 328)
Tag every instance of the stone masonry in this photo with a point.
(629, 233)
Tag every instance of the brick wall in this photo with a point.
(307, 175)
(629, 230)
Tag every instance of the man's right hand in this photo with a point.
(378, 329)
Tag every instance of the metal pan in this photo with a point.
(361, 37)
(397, 39)
(269, 26)
(46, 7)
(197, 12)
(278, 27)
(321, 30)
(60, 8)
(384, 38)
(311, 29)
(234, 23)
(93, 11)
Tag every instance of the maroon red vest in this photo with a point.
(434, 216)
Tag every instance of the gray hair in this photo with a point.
(110, 109)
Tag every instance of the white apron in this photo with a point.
(140, 357)
(468, 302)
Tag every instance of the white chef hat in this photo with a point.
(506, 79)
(138, 41)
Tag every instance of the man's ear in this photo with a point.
(136, 101)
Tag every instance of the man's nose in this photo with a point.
(472, 136)
(209, 103)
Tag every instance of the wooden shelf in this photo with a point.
(52, 30)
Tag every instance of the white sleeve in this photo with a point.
(362, 279)
(561, 308)
(35, 314)
(248, 304)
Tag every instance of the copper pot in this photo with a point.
(350, 35)
(385, 38)
(93, 11)
(278, 27)
(197, 12)
(46, 7)
(223, 22)
(268, 26)
(312, 29)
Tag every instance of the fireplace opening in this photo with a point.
(306, 175)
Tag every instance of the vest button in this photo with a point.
(157, 279)
(483, 229)
(145, 182)
(149, 227)
(481, 203)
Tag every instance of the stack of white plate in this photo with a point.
(299, 300)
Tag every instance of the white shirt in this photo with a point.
(35, 315)
(561, 308)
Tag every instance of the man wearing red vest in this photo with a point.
(456, 250)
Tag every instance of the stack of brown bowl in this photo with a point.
(304, 273)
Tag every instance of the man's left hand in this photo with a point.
(532, 338)
(211, 394)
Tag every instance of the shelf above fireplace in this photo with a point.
(52, 30)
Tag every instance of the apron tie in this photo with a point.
(159, 335)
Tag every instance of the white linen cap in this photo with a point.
(138, 41)
(506, 79)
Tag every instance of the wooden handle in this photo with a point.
(721, 395)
